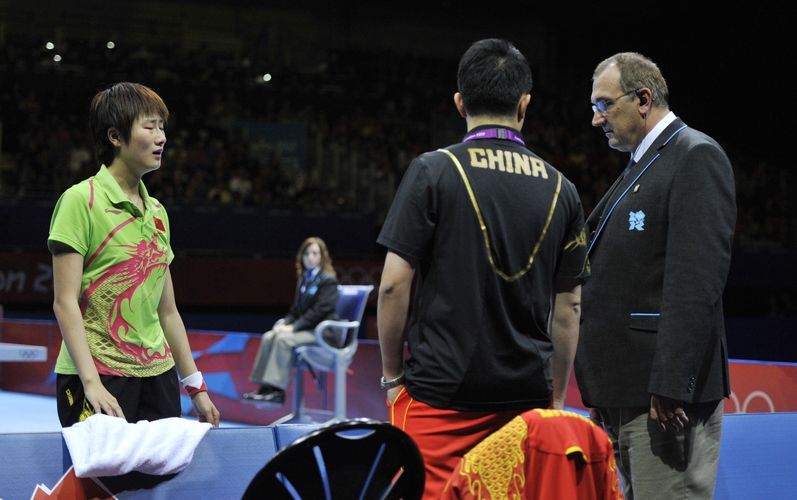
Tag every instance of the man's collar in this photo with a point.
(492, 125)
(653, 135)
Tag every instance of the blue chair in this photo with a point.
(333, 351)
(358, 458)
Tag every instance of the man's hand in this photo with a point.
(205, 409)
(669, 413)
(595, 416)
(101, 400)
(393, 393)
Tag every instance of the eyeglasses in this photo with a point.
(602, 105)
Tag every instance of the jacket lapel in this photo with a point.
(621, 186)
(602, 207)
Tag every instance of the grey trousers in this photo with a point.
(275, 357)
(666, 465)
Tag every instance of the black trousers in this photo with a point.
(141, 398)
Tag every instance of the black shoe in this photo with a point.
(275, 396)
(252, 395)
(266, 394)
(261, 391)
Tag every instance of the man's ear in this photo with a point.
(522, 105)
(645, 97)
(460, 104)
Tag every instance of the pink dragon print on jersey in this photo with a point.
(123, 279)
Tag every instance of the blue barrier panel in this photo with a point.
(755, 461)
(223, 464)
(756, 456)
(30, 459)
(287, 433)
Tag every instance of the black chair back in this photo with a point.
(352, 459)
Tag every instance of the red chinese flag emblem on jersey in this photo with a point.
(159, 224)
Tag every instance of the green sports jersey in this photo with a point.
(126, 254)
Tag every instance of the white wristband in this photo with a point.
(194, 380)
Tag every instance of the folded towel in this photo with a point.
(103, 445)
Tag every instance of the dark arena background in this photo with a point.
(297, 119)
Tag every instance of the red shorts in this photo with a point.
(443, 436)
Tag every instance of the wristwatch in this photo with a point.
(393, 382)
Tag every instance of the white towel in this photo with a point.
(103, 445)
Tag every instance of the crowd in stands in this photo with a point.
(349, 127)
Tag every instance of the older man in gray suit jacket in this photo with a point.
(652, 358)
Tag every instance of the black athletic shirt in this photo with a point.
(477, 340)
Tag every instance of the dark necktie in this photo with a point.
(306, 282)
(628, 167)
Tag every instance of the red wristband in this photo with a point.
(193, 391)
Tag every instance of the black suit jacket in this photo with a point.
(652, 320)
(316, 304)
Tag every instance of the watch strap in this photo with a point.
(394, 382)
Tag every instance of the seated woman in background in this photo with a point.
(315, 301)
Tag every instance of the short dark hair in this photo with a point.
(636, 72)
(118, 107)
(492, 76)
